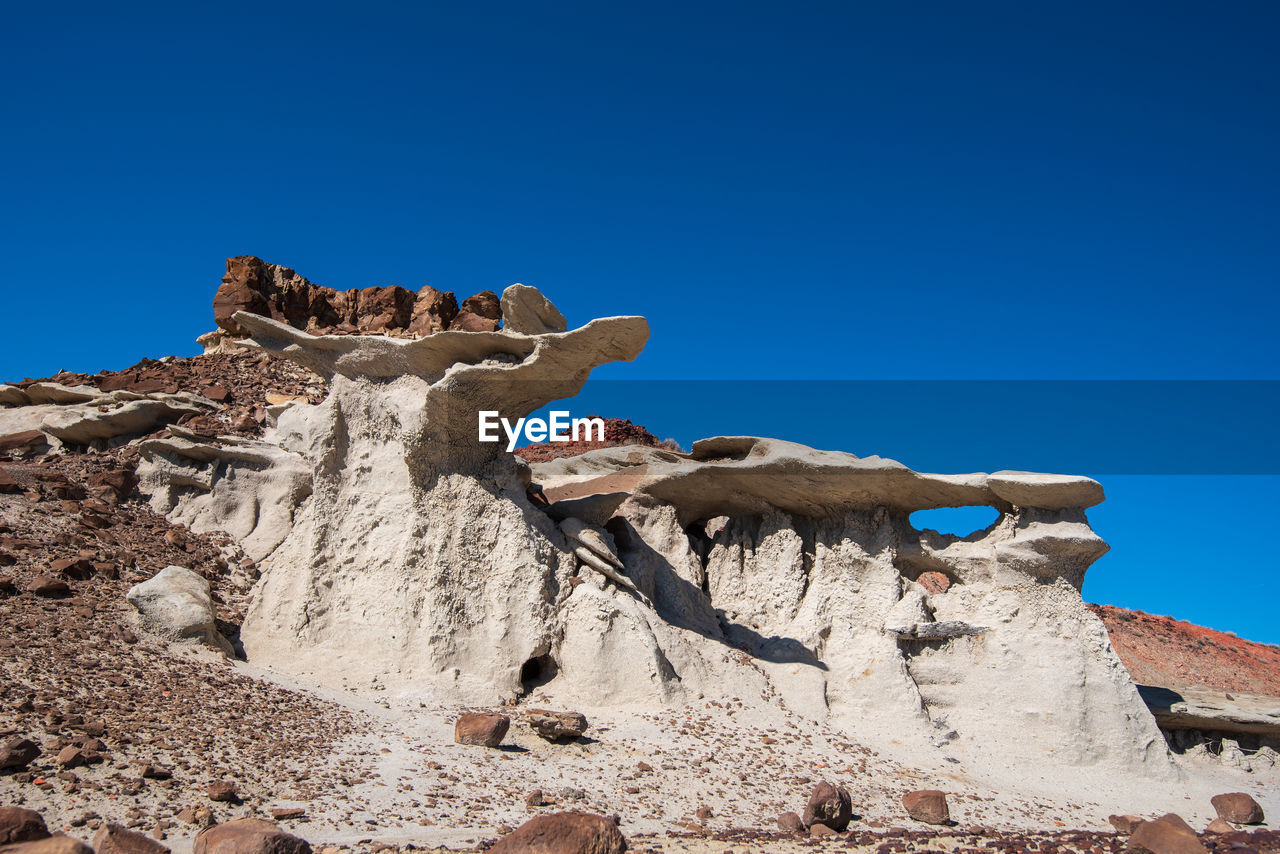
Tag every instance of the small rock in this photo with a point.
(216, 393)
(556, 726)
(486, 730)
(56, 844)
(21, 825)
(155, 772)
(704, 814)
(791, 823)
(1220, 826)
(1177, 821)
(829, 805)
(114, 839)
(927, 805)
(285, 813)
(822, 830)
(71, 757)
(1238, 808)
(562, 833)
(534, 799)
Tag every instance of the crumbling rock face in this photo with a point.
(253, 286)
(395, 544)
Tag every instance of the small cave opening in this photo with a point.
(955, 521)
(537, 672)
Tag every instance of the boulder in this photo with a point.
(176, 603)
(24, 443)
(433, 311)
(791, 823)
(114, 839)
(1238, 808)
(527, 311)
(484, 304)
(21, 825)
(55, 844)
(222, 791)
(248, 836)
(829, 805)
(1125, 824)
(18, 753)
(1177, 821)
(554, 726)
(1163, 837)
(562, 833)
(486, 730)
(927, 805)
(469, 321)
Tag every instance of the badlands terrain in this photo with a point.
(736, 625)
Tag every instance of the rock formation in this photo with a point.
(394, 544)
(252, 285)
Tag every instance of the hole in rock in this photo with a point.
(537, 672)
(957, 521)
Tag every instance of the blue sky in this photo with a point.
(816, 191)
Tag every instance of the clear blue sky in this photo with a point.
(934, 190)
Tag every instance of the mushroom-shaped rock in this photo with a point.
(176, 603)
(562, 833)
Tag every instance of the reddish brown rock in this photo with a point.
(79, 568)
(556, 726)
(829, 805)
(71, 757)
(1220, 826)
(21, 825)
(7, 483)
(248, 836)
(822, 830)
(223, 791)
(433, 311)
(216, 393)
(1125, 824)
(55, 844)
(934, 582)
(467, 321)
(927, 805)
(114, 839)
(562, 833)
(24, 442)
(1238, 808)
(1177, 821)
(484, 304)
(117, 483)
(1163, 837)
(47, 586)
(791, 823)
(287, 813)
(485, 730)
(18, 753)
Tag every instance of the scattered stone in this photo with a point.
(1163, 837)
(18, 753)
(829, 805)
(1220, 826)
(248, 836)
(71, 757)
(114, 839)
(1177, 821)
(822, 830)
(561, 833)
(534, 799)
(927, 805)
(482, 729)
(791, 823)
(556, 726)
(286, 813)
(155, 772)
(1238, 808)
(21, 825)
(223, 791)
